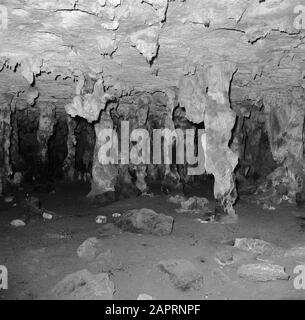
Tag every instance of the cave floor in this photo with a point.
(43, 253)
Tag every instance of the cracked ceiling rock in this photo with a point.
(30, 67)
(107, 44)
(271, 13)
(255, 33)
(147, 42)
(160, 6)
(31, 95)
(89, 105)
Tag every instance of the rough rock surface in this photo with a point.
(146, 221)
(104, 175)
(256, 246)
(194, 205)
(88, 249)
(223, 61)
(183, 274)
(83, 285)
(262, 272)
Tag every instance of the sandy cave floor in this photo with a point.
(43, 253)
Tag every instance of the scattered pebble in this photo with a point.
(116, 215)
(268, 207)
(18, 223)
(9, 199)
(47, 216)
(101, 219)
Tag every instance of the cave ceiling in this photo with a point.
(148, 45)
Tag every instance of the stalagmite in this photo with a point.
(205, 95)
(47, 121)
(171, 181)
(104, 176)
(285, 124)
(69, 163)
(14, 148)
(139, 122)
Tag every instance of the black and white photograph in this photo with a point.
(152, 153)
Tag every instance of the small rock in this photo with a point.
(9, 199)
(146, 221)
(83, 285)
(88, 249)
(18, 223)
(268, 207)
(183, 274)
(224, 257)
(101, 219)
(116, 216)
(177, 199)
(148, 194)
(194, 205)
(262, 272)
(144, 296)
(47, 216)
(255, 245)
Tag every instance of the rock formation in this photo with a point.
(234, 68)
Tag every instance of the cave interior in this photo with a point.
(76, 74)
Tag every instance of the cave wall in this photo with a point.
(72, 59)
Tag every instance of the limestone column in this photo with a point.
(285, 125)
(139, 122)
(204, 92)
(5, 139)
(171, 177)
(69, 163)
(45, 131)
(104, 176)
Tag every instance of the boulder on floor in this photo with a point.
(256, 246)
(230, 255)
(193, 205)
(146, 221)
(183, 274)
(83, 285)
(88, 250)
(93, 249)
(177, 199)
(262, 272)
